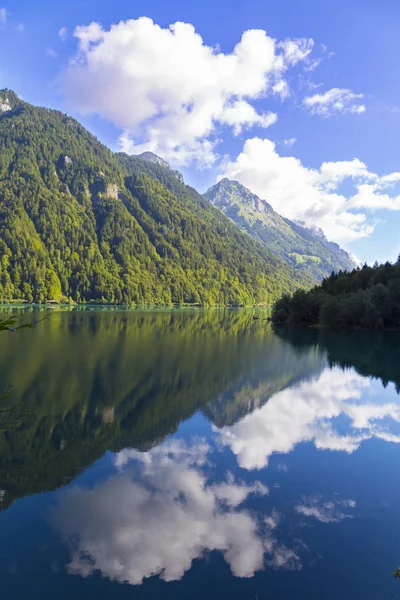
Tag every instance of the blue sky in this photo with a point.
(300, 101)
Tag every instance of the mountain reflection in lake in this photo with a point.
(191, 454)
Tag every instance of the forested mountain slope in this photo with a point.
(77, 221)
(306, 251)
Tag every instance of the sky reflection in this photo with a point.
(308, 412)
(160, 510)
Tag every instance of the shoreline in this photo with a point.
(86, 305)
(319, 327)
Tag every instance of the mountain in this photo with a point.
(304, 249)
(153, 158)
(79, 222)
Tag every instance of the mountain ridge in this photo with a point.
(154, 158)
(301, 247)
(79, 222)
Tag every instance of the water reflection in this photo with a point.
(167, 506)
(193, 448)
(162, 511)
(310, 412)
(131, 529)
(374, 355)
(326, 511)
(91, 382)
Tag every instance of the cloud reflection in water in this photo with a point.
(163, 509)
(158, 514)
(306, 413)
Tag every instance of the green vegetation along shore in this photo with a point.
(365, 298)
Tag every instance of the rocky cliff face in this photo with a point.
(229, 193)
(4, 105)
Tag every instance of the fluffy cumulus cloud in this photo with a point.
(314, 195)
(157, 515)
(3, 16)
(169, 91)
(307, 413)
(336, 101)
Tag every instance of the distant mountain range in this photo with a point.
(81, 223)
(304, 249)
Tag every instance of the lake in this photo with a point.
(197, 454)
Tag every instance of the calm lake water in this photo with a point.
(198, 455)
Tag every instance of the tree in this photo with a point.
(77, 221)
(367, 298)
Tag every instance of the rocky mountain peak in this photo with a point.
(303, 247)
(228, 193)
(153, 158)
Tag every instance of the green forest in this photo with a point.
(365, 298)
(81, 224)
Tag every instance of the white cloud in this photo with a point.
(333, 173)
(326, 511)
(306, 413)
(289, 142)
(306, 83)
(63, 33)
(234, 495)
(300, 50)
(131, 528)
(281, 88)
(324, 48)
(311, 195)
(367, 197)
(241, 114)
(171, 93)
(3, 16)
(296, 50)
(335, 101)
(272, 520)
(284, 558)
(312, 64)
(200, 151)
